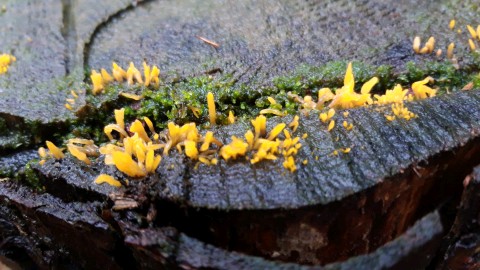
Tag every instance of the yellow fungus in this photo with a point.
(133, 73)
(231, 117)
(191, 149)
(396, 95)
(304, 136)
(439, 52)
(5, 61)
(416, 44)
(131, 96)
(118, 73)
(430, 45)
(345, 114)
(390, 117)
(346, 150)
(212, 113)
(472, 45)
(154, 75)
(41, 162)
(207, 141)
(234, 149)
(451, 25)
(68, 106)
(250, 138)
(324, 95)
(294, 124)
(347, 126)
(346, 97)
(125, 164)
(399, 110)
(195, 111)
(42, 152)
(111, 127)
(275, 131)
(272, 111)
(331, 125)
(330, 113)
(146, 73)
(149, 124)
(152, 161)
(119, 117)
(472, 31)
(105, 178)
(105, 76)
(74, 94)
(97, 82)
(76, 152)
(421, 91)
(271, 100)
(424, 50)
(450, 48)
(259, 125)
(70, 100)
(305, 162)
(289, 164)
(54, 150)
(138, 128)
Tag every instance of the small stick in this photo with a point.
(209, 42)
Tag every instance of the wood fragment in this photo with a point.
(209, 42)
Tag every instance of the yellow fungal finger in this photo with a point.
(119, 117)
(125, 164)
(211, 108)
(131, 96)
(450, 48)
(294, 124)
(42, 152)
(271, 100)
(275, 131)
(105, 76)
(331, 125)
(272, 111)
(451, 25)
(54, 150)
(137, 127)
(430, 44)
(472, 45)
(111, 127)
(416, 44)
(105, 178)
(118, 73)
(472, 31)
(231, 117)
(76, 152)
(147, 73)
(97, 82)
(191, 149)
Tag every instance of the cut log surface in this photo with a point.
(380, 149)
(369, 207)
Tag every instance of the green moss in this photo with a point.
(176, 101)
(30, 177)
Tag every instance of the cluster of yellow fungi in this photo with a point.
(137, 152)
(5, 61)
(346, 98)
(430, 44)
(132, 75)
